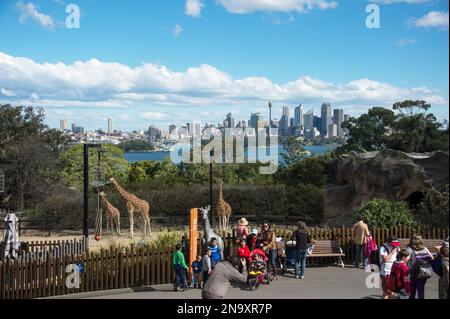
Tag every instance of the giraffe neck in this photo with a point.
(121, 191)
(207, 225)
(220, 193)
(105, 201)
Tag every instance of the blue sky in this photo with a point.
(161, 62)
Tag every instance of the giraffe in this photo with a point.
(112, 215)
(223, 209)
(134, 204)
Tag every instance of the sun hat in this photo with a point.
(243, 221)
(444, 244)
(394, 241)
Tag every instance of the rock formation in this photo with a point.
(387, 174)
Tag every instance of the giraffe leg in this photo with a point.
(130, 215)
(149, 225)
(118, 225)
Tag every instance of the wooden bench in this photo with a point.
(428, 243)
(322, 249)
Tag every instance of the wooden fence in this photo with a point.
(138, 266)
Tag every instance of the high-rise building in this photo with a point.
(299, 116)
(346, 118)
(110, 125)
(285, 121)
(63, 126)
(154, 133)
(230, 121)
(338, 119)
(255, 118)
(325, 118)
(317, 122)
(332, 130)
(172, 129)
(308, 120)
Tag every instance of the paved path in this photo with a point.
(319, 283)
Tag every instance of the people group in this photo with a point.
(403, 271)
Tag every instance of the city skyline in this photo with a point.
(163, 60)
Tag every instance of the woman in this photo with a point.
(302, 239)
(242, 230)
(269, 242)
(420, 258)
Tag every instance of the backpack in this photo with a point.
(422, 268)
(436, 265)
(375, 256)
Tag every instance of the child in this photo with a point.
(206, 265)
(180, 267)
(311, 246)
(215, 252)
(399, 281)
(197, 266)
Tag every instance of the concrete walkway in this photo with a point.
(320, 283)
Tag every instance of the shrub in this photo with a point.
(385, 213)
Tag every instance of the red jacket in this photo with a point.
(243, 252)
(399, 277)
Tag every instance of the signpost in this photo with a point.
(193, 237)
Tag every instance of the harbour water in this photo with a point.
(134, 157)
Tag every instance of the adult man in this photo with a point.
(219, 281)
(254, 241)
(361, 232)
(388, 255)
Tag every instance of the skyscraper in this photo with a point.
(172, 129)
(230, 121)
(325, 118)
(110, 125)
(285, 121)
(338, 119)
(63, 126)
(332, 130)
(308, 120)
(299, 116)
(255, 118)
(346, 118)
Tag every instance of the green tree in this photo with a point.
(136, 145)
(385, 213)
(369, 132)
(294, 150)
(308, 171)
(28, 153)
(71, 164)
(415, 130)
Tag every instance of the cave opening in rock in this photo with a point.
(414, 200)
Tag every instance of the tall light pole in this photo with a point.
(211, 186)
(86, 190)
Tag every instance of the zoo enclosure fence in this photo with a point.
(44, 274)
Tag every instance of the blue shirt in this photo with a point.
(215, 253)
(197, 266)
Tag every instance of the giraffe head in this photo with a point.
(221, 182)
(205, 211)
(102, 194)
(112, 180)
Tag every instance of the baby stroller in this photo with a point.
(257, 270)
(287, 260)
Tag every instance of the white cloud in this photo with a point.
(400, 1)
(405, 42)
(194, 8)
(177, 31)
(433, 19)
(30, 10)
(249, 6)
(97, 84)
(158, 116)
(6, 92)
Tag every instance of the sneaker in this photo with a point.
(180, 289)
(301, 277)
(297, 277)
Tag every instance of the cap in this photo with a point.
(254, 231)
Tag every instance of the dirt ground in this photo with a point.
(105, 241)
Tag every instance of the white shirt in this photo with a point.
(386, 266)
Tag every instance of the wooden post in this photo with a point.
(193, 236)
